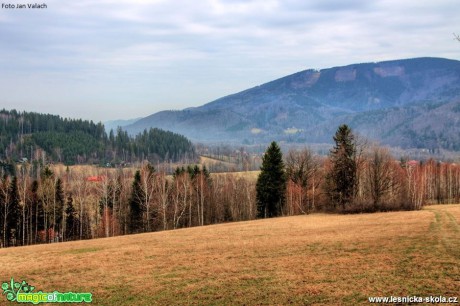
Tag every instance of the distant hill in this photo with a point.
(114, 124)
(412, 103)
(26, 135)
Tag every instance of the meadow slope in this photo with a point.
(315, 259)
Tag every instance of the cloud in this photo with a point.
(154, 55)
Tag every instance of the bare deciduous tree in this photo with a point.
(81, 194)
(24, 183)
(380, 175)
(148, 189)
(5, 204)
(301, 168)
(182, 185)
(162, 187)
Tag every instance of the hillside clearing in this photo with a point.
(325, 259)
(209, 161)
(250, 176)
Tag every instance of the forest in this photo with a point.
(55, 204)
(33, 136)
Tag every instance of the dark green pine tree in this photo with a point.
(59, 207)
(341, 179)
(13, 220)
(71, 220)
(37, 211)
(135, 205)
(271, 183)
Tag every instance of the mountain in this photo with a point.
(114, 124)
(407, 103)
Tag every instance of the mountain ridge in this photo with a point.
(294, 108)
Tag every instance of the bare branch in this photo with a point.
(456, 36)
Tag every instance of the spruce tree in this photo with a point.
(341, 179)
(71, 220)
(271, 183)
(59, 206)
(135, 205)
(12, 231)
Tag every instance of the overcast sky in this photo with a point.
(121, 59)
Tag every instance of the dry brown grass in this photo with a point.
(315, 259)
(88, 170)
(208, 161)
(250, 176)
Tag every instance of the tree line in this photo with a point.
(50, 138)
(355, 177)
(74, 204)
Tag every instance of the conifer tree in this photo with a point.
(271, 183)
(135, 205)
(58, 208)
(341, 179)
(36, 211)
(12, 231)
(71, 220)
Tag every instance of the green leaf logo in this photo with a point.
(10, 296)
(12, 289)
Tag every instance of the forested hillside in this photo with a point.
(411, 103)
(43, 136)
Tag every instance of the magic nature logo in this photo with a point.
(23, 293)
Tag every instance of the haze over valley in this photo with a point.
(413, 103)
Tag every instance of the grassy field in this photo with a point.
(92, 170)
(315, 259)
(250, 176)
(208, 161)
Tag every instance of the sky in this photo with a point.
(121, 59)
